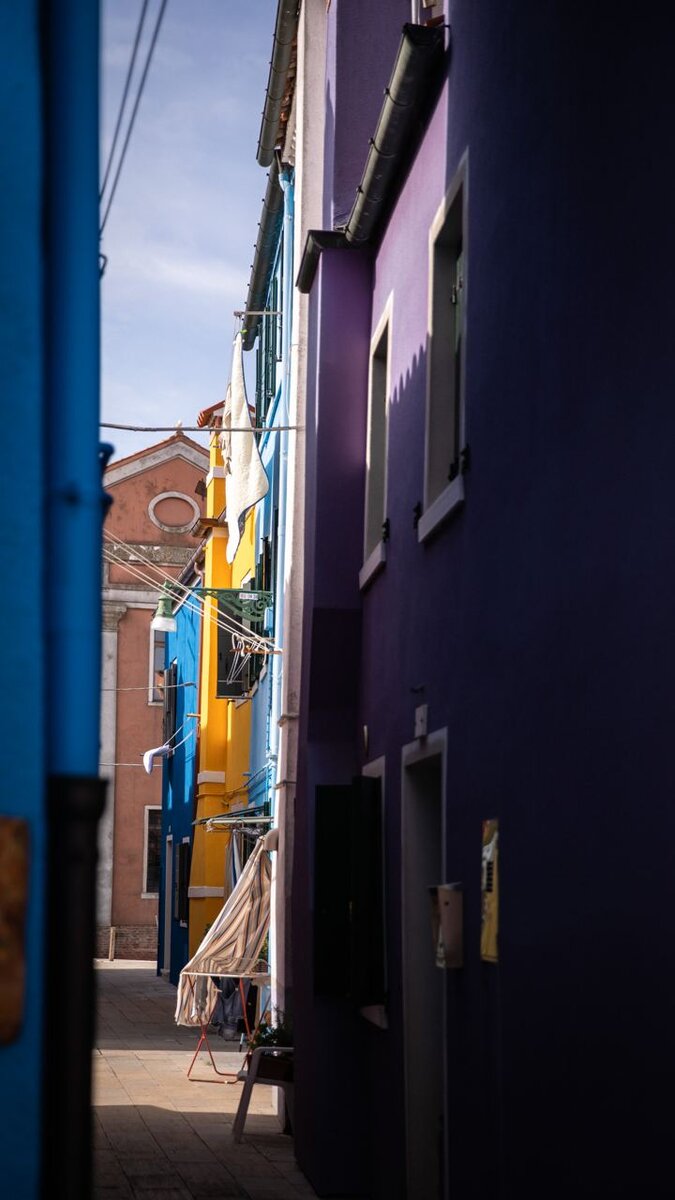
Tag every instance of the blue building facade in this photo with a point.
(178, 787)
(271, 294)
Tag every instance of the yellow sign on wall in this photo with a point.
(489, 937)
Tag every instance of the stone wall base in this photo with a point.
(128, 941)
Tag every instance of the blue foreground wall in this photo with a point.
(21, 483)
(50, 517)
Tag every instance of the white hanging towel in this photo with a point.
(150, 756)
(245, 480)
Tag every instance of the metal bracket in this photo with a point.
(249, 605)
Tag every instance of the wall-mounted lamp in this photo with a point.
(164, 620)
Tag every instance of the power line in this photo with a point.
(134, 111)
(200, 428)
(125, 93)
(191, 601)
(146, 687)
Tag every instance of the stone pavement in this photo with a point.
(156, 1133)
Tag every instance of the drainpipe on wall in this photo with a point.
(72, 586)
(283, 410)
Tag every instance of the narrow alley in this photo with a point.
(157, 1133)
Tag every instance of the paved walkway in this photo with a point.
(156, 1133)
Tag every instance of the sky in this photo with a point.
(181, 231)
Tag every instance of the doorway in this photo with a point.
(168, 903)
(422, 827)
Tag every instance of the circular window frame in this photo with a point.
(172, 496)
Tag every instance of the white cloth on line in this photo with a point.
(150, 756)
(245, 479)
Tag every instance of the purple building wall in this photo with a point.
(536, 625)
(355, 82)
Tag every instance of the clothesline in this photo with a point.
(200, 429)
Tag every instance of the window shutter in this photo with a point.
(170, 693)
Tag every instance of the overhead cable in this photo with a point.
(190, 599)
(260, 645)
(200, 429)
(146, 687)
(188, 593)
(134, 111)
(125, 93)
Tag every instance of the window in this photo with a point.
(157, 655)
(445, 370)
(151, 850)
(376, 446)
(233, 677)
(237, 672)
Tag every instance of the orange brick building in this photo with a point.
(147, 536)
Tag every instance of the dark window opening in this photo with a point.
(153, 850)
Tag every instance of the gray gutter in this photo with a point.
(285, 33)
(265, 250)
(317, 240)
(418, 72)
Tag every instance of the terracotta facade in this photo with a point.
(147, 536)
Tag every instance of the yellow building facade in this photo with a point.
(224, 725)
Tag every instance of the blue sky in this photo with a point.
(182, 228)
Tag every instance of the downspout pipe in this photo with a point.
(283, 419)
(72, 582)
(285, 33)
(285, 180)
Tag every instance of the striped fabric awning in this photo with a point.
(234, 943)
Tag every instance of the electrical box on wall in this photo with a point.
(489, 938)
(447, 923)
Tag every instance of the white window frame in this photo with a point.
(145, 894)
(422, 11)
(438, 508)
(375, 556)
(151, 668)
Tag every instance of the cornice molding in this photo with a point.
(117, 474)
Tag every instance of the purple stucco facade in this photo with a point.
(535, 625)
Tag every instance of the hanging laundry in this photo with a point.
(245, 479)
(150, 756)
